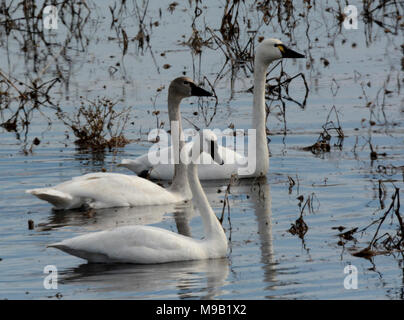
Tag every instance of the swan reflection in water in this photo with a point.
(204, 279)
(253, 195)
(101, 219)
(262, 202)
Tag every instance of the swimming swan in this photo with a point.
(149, 245)
(268, 51)
(107, 190)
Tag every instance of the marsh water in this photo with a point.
(128, 52)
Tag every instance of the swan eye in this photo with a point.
(281, 48)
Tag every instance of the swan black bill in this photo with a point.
(199, 92)
(289, 53)
(212, 153)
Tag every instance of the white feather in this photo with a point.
(147, 244)
(106, 190)
(267, 52)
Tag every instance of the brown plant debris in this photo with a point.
(348, 235)
(226, 202)
(300, 227)
(322, 145)
(97, 125)
(388, 242)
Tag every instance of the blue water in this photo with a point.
(264, 261)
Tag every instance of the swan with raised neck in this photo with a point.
(107, 190)
(268, 50)
(147, 244)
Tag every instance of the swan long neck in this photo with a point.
(180, 182)
(213, 229)
(259, 116)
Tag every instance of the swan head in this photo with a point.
(273, 49)
(184, 87)
(208, 140)
(205, 141)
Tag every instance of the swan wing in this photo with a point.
(55, 197)
(106, 190)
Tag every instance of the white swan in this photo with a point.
(106, 190)
(267, 51)
(148, 244)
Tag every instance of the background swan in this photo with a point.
(148, 244)
(106, 190)
(268, 51)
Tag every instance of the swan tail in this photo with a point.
(57, 245)
(57, 198)
(64, 248)
(92, 257)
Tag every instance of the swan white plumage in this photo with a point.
(150, 245)
(106, 190)
(268, 51)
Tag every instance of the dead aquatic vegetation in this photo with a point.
(142, 40)
(277, 92)
(196, 42)
(241, 25)
(226, 203)
(322, 144)
(22, 23)
(292, 183)
(205, 107)
(347, 235)
(389, 242)
(373, 154)
(48, 63)
(172, 6)
(277, 88)
(299, 227)
(388, 170)
(385, 14)
(377, 105)
(18, 103)
(31, 225)
(225, 39)
(27, 95)
(97, 125)
(229, 38)
(239, 50)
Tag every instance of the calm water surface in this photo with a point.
(264, 260)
